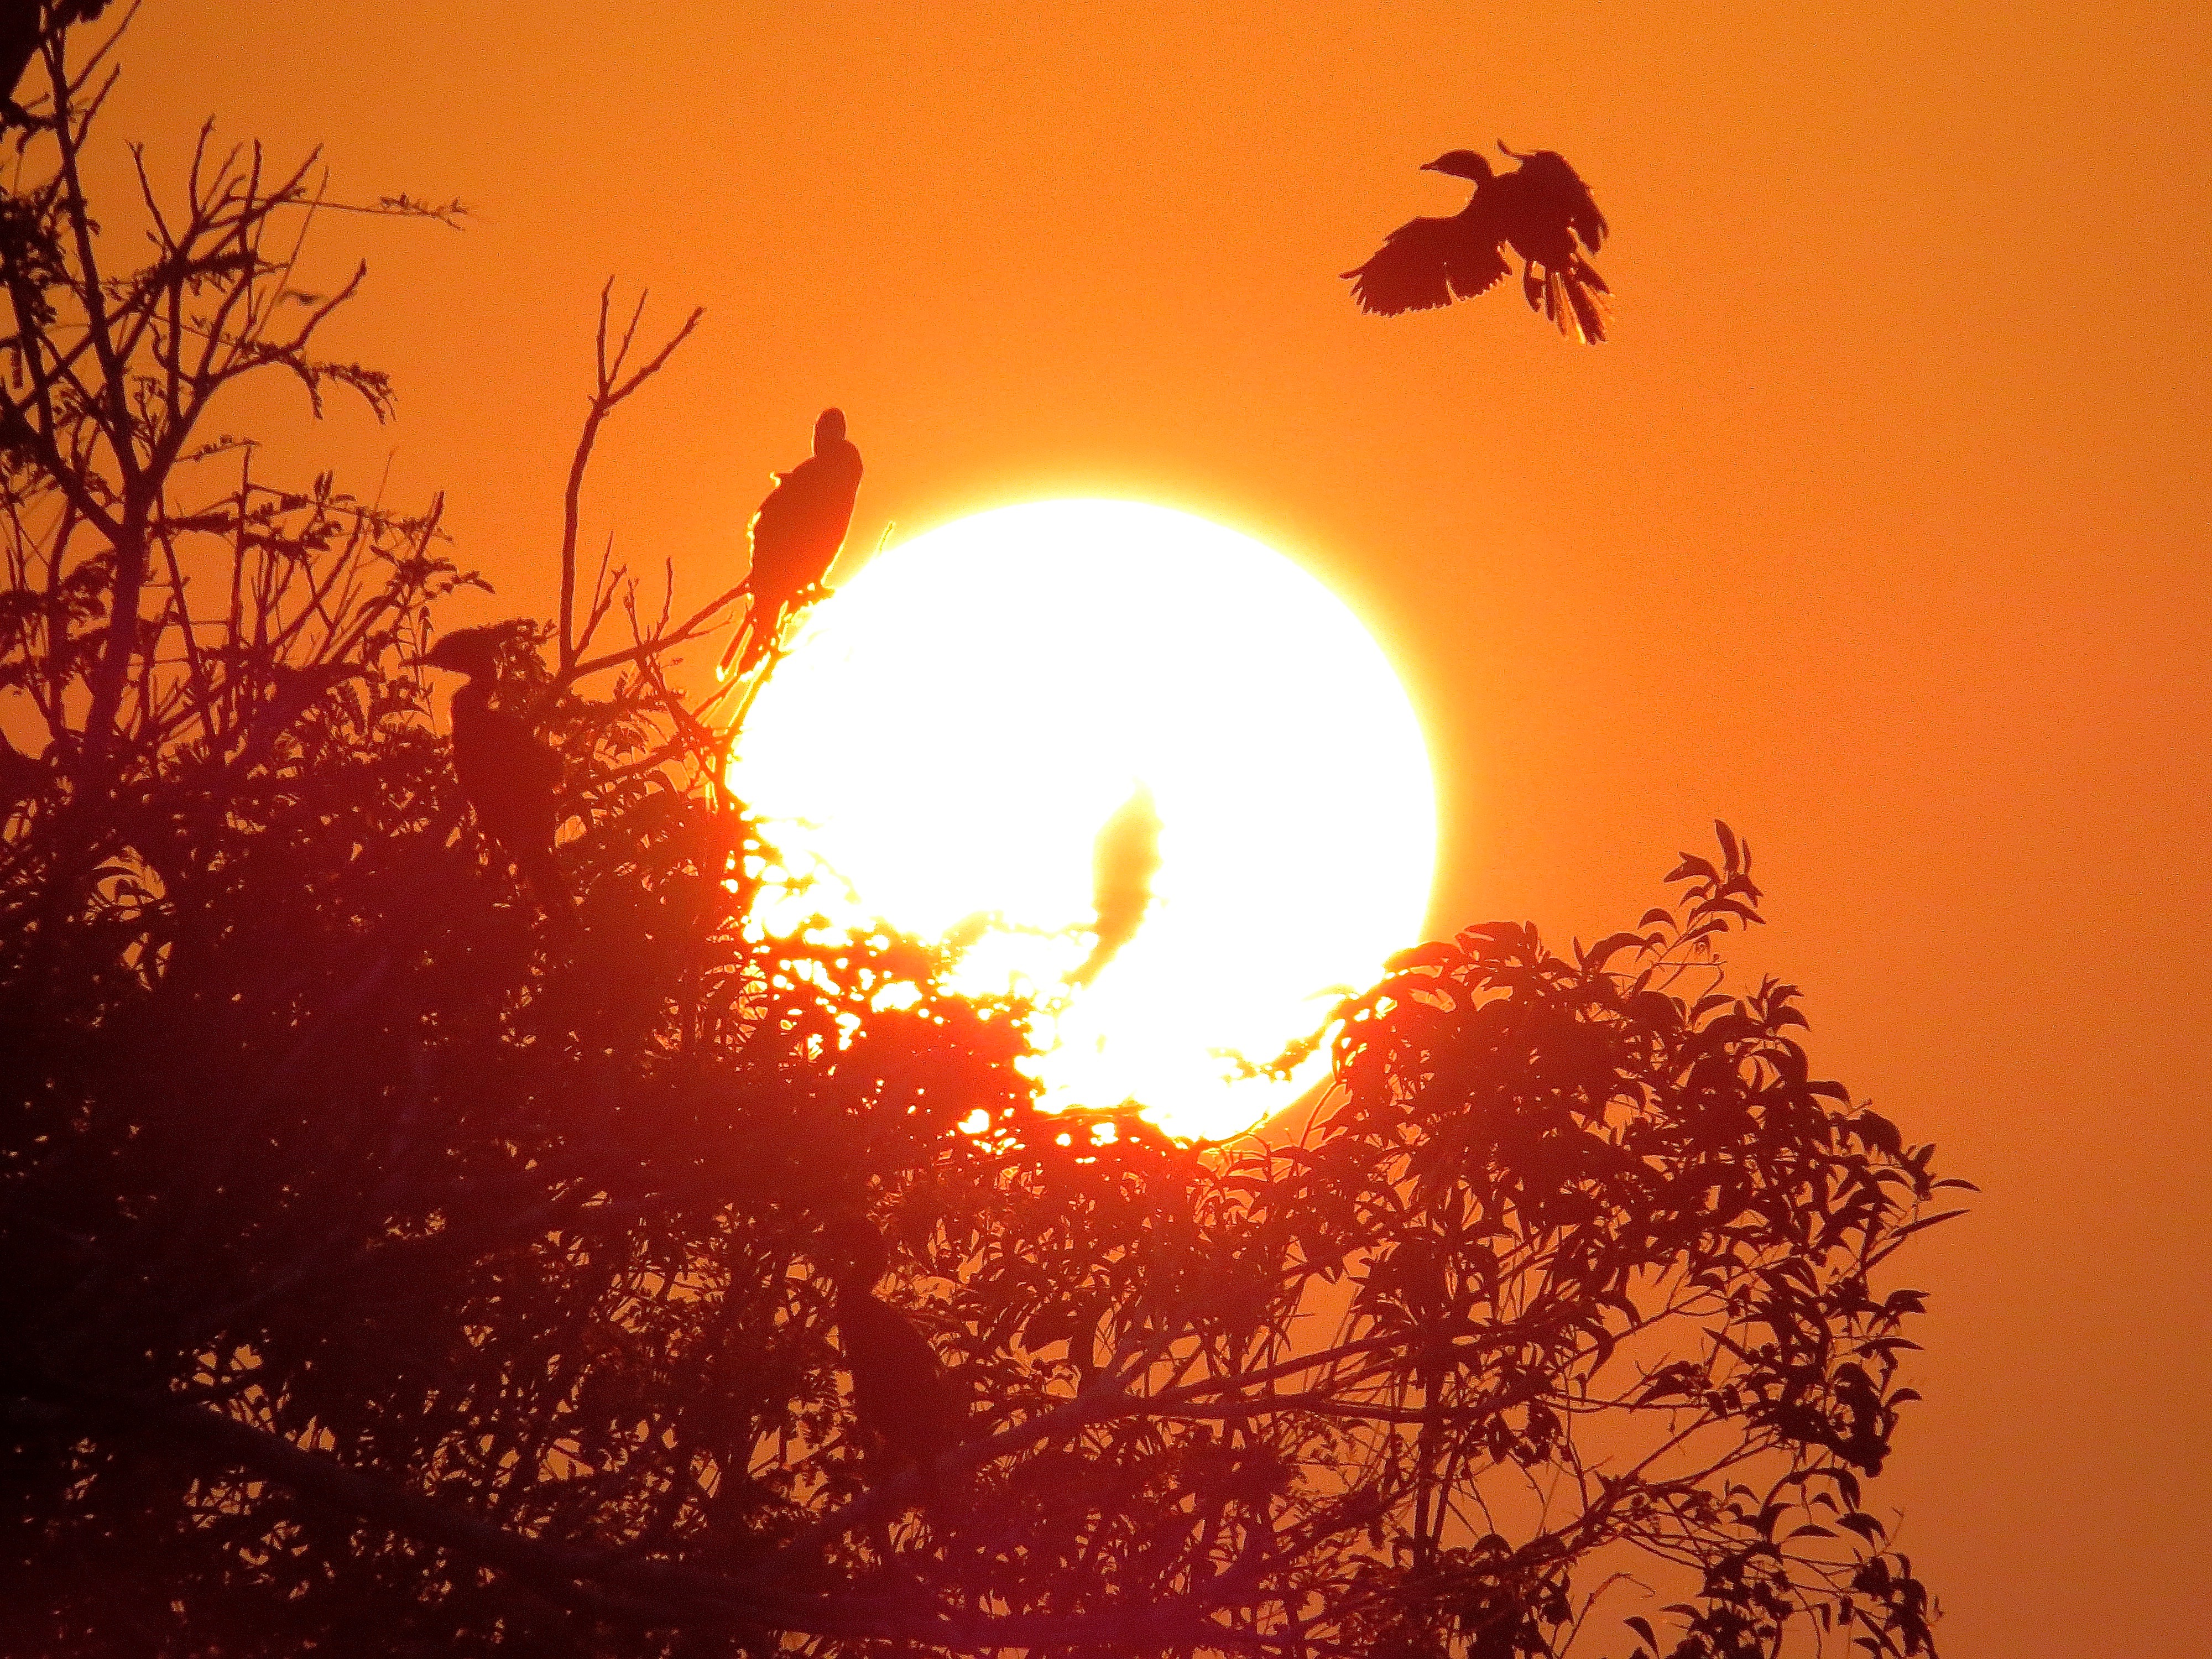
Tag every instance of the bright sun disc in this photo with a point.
(1140, 765)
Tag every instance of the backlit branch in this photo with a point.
(610, 387)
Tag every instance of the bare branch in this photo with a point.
(607, 395)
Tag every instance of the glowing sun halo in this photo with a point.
(1137, 764)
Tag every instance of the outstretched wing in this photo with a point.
(1426, 263)
(1557, 194)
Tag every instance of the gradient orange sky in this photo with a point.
(1879, 529)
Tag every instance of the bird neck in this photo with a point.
(475, 695)
(855, 1290)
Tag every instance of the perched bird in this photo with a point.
(508, 777)
(901, 1398)
(1125, 856)
(20, 35)
(797, 532)
(1541, 210)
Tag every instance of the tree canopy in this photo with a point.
(389, 1270)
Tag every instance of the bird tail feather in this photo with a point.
(1573, 298)
(761, 636)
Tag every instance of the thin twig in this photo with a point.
(608, 393)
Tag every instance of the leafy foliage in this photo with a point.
(391, 1272)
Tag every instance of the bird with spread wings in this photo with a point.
(1541, 210)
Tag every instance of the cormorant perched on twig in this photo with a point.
(508, 776)
(900, 1395)
(1541, 209)
(796, 534)
(1125, 856)
(20, 34)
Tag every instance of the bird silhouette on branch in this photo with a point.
(508, 776)
(903, 1404)
(796, 536)
(25, 25)
(1125, 857)
(1541, 210)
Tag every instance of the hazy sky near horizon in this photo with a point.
(1879, 528)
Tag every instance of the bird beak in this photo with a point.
(1430, 167)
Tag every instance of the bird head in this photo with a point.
(829, 428)
(850, 1249)
(1461, 164)
(471, 651)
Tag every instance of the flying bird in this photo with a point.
(1541, 210)
(901, 1398)
(796, 535)
(507, 774)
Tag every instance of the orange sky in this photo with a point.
(1878, 529)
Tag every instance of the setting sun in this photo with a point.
(1128, 761)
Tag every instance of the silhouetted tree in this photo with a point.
(1541, 210)
(387, 1273)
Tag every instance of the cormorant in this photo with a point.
(20, 35)
(508, 777)
(1541, 211)
(797, 532)
(900, 1396)
(1125, 856)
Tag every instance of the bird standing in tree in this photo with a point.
(23, 25)
(901, 1398)
(796, 535)
(1542, 210)
(508, 777)
(1125, 856)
